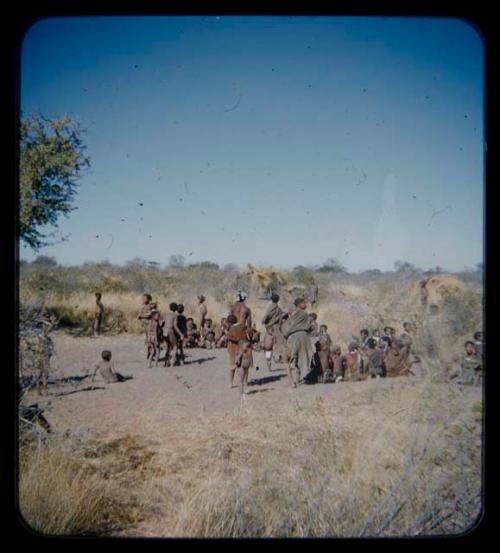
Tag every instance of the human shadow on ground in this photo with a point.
(76, 378)
(188, 361)
(259, 391)
(265, 380)
(200, 361)
(87, 389)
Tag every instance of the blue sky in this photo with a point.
(268, 140)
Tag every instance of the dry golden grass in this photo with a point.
(398, 459)
(58, 496)
(317, 468)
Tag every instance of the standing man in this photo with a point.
(202, 313)
(99, 312)
(145, 314)
(271, 320)
(297, 333)
(313, 294)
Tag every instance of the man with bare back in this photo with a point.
(241, 311)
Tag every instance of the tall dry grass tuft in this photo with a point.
(69, 487)
(58, 496)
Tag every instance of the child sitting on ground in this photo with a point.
(192, 333)
(207, 339)
(384, 345)
(320, 365)
(326, 361)
(396, 359)
(353, 362)
(375, 359)
(314, 329)
(324, 337)
(221, 337)
(107, 369)
(338, 362)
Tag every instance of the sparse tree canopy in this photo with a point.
(44, 261)
(136, 262)
(302, 274)
(332, 265)
(371, 272)
(177, 261)
(404, 267)
(206, 265)
(153, 265)
(51, 161)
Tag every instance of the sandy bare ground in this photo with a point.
(153, 395)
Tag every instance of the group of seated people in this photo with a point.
(373, 355)
(385, 355)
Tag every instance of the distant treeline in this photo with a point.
(331, 265)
